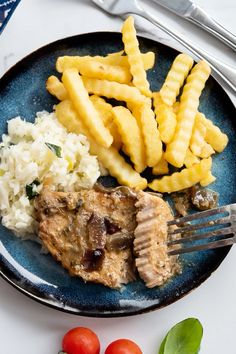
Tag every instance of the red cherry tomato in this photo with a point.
(123, 346)
(81, 340)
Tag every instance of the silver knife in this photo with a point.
(190, 11)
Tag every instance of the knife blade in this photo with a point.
(190, 11)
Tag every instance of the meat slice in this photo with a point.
(154, 265)
(96, 234)
(90, 232)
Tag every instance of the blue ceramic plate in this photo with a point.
(22, 92)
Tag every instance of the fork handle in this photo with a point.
(225, 71)
(202, 19)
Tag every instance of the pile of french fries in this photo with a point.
(152, 128)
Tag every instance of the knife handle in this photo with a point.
(223, 70)
(202, 19)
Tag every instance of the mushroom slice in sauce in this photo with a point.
(111, 226)
(93, 259)
(97, 231)
(124, 190)
(119, 241)
(204, 199)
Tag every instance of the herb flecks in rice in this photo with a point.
(25, 157)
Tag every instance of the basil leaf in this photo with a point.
(162, 347)
(30, 189)
(184, 338)
(55, 149)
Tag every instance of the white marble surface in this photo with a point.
(27, 327)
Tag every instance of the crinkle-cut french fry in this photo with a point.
(214, 135)
(97, 70)
(157, 101)
(161, 168)
(68, 62)
(176, 107)
(80, 99)
(116, 54)
(111, 89)
(119, 169)
(117, 141)
(125, 150)
(197, 140)
(175, 78)
(146, 121)
(132, 106)
(105, 110)
(131, 136)
(189, 101)
(166, 120)
(148, 60)
(131, 47)
(190, 159)
(208, 179)
(186, 178)
(109, 157)
(206, 151)
(56, 88)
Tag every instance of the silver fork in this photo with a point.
(126, 7)
(216, 226)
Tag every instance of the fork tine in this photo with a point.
(220, 232)
(203, 214)
(208, 224)
(207, 246)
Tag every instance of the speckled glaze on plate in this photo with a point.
(22, 92)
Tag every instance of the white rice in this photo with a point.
(24, 158)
